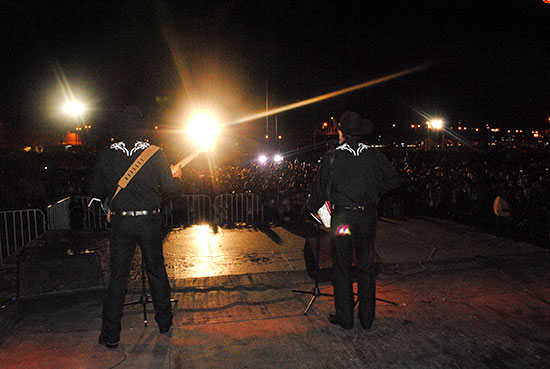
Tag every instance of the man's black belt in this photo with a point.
(356, 208)
(135, 213)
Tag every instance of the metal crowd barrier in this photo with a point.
(87, 218)
(187, 210)
(74, 213)
(18, 228)
(59, 215)
(238, 208)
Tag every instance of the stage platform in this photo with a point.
(202, 251)
(463, 299)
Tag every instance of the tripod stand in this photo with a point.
(316, 292)
(144, 298)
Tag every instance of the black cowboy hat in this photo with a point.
(352, 124)
(129, 123)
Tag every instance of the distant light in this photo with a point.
(437, 124)
(74, 108)
(495, 129)
(393, 125)
(262, 159)
(203, 130)
(266, 137)
(156, 127)
(325, 124)
(45, 168)
(412, 126)
(27, 148)
(278, 158)
(280, 137)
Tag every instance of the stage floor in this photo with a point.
(199, 251)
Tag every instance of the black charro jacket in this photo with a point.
(144, 190)
(354, 176)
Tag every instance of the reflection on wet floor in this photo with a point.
(197, 251)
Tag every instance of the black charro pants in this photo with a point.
(354, 230)
(126, 232)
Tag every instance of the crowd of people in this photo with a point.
(36, 180)
(457, 185)
(460, 185)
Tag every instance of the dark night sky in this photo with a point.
(490, 61)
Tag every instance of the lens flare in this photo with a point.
(203, 130)
(74, 107)
(330, 95)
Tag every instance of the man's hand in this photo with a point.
(176, 171)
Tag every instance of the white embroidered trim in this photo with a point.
(347, 147)
(139, 145)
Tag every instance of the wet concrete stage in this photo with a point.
(199, 251)
(464, 299)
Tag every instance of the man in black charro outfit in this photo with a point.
(352, 177)
(135, 219)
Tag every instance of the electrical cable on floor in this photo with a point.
(121, 361)
(424, 270)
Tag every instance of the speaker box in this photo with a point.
(61, 275)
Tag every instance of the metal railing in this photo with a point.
(74, 213)
(18, 228)
(238, 208)
(187, 210)
(59, 215)
(88, 218)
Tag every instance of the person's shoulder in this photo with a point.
(329, 155)
(104, 150)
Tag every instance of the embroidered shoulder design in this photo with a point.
(362, 147)
(347, 147)
(139, 145)
(120, 146)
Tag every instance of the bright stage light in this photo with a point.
(74, 108)
(278, 158)
(262, 159)
(437, 123)
(203, 130)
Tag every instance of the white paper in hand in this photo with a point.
(324, 213)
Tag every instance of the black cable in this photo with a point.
(121, 361)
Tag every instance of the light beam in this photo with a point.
(330, 95)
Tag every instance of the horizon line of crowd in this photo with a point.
(459, 185)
